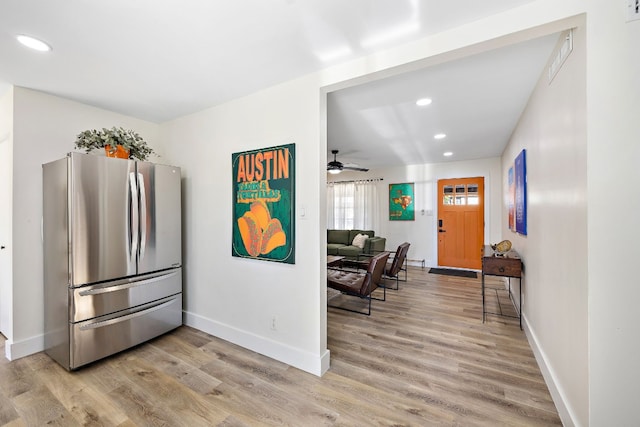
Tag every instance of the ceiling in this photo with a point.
(476, 102)
(161, 59)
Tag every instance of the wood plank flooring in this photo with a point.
(422, 358)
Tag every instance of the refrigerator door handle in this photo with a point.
(99, 324)
(127, 285)
(143, 215)
(133, 219)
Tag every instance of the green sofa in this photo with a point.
(339, 242)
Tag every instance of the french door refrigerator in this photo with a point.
(112, 255)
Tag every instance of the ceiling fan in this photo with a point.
(336, 167)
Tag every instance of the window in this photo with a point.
(447, 198)
(472, 194)
(460, 194)
(352, 205)
(461, 198)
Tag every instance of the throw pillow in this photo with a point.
(359, 240)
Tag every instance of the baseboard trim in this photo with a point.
(567, 416)
(308, 362)
(16, 350)
(417, 262)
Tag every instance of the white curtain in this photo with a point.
(352, 205)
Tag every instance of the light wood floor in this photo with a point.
(422, 358)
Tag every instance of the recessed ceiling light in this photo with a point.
(447, 154)
(440, 136)
(33, 43)
(423, 101)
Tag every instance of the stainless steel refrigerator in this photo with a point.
(112, 255)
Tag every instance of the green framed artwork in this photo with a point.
(264, 204)
(401, 202)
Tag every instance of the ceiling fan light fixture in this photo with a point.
(440, 136)
(33, 43)
(335, 166)
(423, 102)
(447, 153)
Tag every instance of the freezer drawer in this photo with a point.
(103, 336)
(92, 301)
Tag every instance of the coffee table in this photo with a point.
(334, 260)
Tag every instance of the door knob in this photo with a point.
(1, 247)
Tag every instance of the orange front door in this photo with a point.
(460, 222)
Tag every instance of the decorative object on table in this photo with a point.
(502, 247)
(264, 204)
(520, 178)
(117, 142)
(401, 202)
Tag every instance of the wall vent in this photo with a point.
(561, 55)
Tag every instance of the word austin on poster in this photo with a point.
(263, 204)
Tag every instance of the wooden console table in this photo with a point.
(508, 265)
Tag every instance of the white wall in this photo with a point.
(422, 233)
(6, 203)
(613, 147)
(45, 128)
(552, 129)
(237, 298)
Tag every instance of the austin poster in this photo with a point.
(263, 204)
